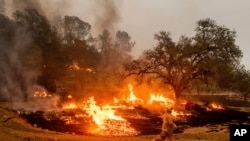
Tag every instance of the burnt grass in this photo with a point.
(38, 119)
(149, 125)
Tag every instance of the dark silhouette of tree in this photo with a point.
(107, 50)
(124, 45)
(77, 44)
(123, 41)
(7, 31)
(241, 82)
(79, 50)
(74, 29)
(115, 52)
(201, 57)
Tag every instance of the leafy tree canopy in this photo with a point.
(200, 57)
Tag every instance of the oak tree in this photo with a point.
(178, 63)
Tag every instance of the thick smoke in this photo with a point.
(20, 62)
(107, 15)
(18, 67)
(48, 8)
(21, 4)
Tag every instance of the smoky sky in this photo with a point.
(107, 15)
(48, 8)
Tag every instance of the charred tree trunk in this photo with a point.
(177, 94)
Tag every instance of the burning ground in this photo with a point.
(14, 128)
(132, 118)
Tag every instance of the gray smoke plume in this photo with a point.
(21, 61)
(18, 66)
(48, 8)
(2, 7)
(21, 4)
(107, 15)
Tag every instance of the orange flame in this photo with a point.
(132, 98)
(69, 106)
(106, 120)
(107, 123)
(115, 100)
(159, 98)
(214, 106)
(89, 70)
(177, 113)
(42, 93)
(100, 114)
(74, 66)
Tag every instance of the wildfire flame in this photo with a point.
(89, 70)
(41, 94)
(159, 98)
(103, 119)
(177, 113)
(107, 122)
(74, 66)
(70, 106)
(100, 114)
(132, 98)
(214, 106)
(116, 100)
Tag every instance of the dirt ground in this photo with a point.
(14, 128)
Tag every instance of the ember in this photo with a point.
(216, 106)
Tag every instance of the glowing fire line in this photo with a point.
(107, 123)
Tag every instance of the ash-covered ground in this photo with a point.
(202, 126)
